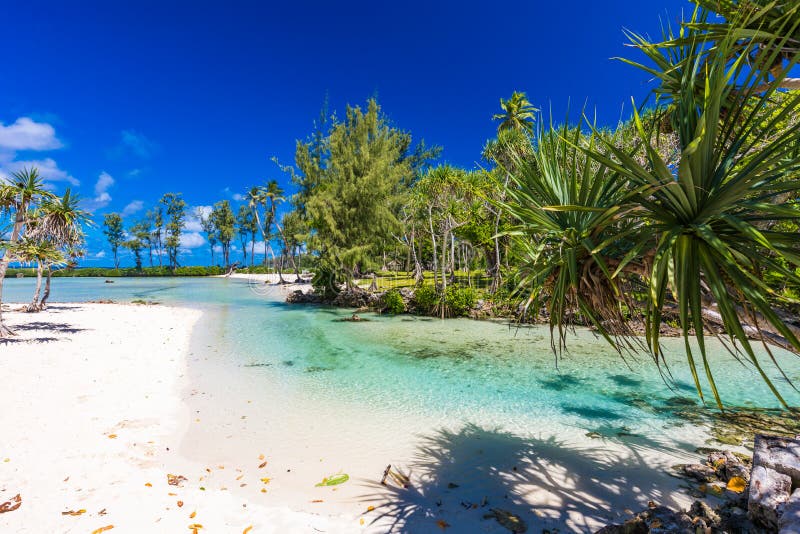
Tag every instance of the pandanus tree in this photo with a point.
(693, 233)
(60, 221)
(41, 253)
(17, 197)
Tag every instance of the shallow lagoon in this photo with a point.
(569, 445)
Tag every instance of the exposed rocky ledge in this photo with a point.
(758, 496)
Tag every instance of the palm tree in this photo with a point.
(16, 197)
(42, 253)
(60, 220)
(518, 113)
(255, 200)
(692, 237)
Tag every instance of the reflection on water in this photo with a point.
(484, 372)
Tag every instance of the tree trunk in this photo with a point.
(46, 295)
(418, 274)
(150, 249)
(252, 248)
(285, 245)
(34, 305)
(5, 260)
(433, 241)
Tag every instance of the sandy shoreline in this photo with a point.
(272, 280)
(103, 401)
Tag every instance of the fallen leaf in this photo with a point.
(180, 503)
(317, 500)
(239, 477)
(74, 512)
(171, 494)
(334, 480)
(442, 524)
(7, 460)
(193, 514)
(262, 464)
(194, 527)
(148, 484)
(102, 512)
(370, 508)
(260, 456)
(112, 436)
(361, 521)
(737, 484)
(102, 529)
(248, 529)
(265, 480)
(175, 480)
(263, 490)
(11, 505)
(220, 467)
(202, 488)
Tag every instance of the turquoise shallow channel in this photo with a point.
(483, 372)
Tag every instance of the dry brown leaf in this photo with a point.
(262, 464)
(239, 477)
(180, 503)
(74, 512)
(148, 484)
(194, 527)
(193, 514)
(317, 500)
(112, 436)
(248, 529)
(263, 490)
(260, 456)
(11, 505)
(175, 480)
(442, 524)
(102, 529)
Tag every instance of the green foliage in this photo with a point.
(458, 301)
(175, 208)
(224, 224)
(114, 232)
(393, 302)
(426, 299)
(351, 197)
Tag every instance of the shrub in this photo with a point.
(459, 300)
(426, 298)
(393, 302)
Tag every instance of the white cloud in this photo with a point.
(48, 169)
(190, 240)
(101, 195)
(104, 182)
(134, 206)
(133, 142)
(192, 223)
(27, 134)
(238, 197)
(101, 254)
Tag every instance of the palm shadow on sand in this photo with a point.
(458, 477)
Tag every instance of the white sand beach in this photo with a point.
(92, 420)
(273, 280)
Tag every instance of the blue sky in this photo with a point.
(126, 100)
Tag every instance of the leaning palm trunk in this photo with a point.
(46, 294)
(4, 262)
(34, 305)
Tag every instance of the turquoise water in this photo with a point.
(483, 372)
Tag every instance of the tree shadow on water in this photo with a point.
(458, 477)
